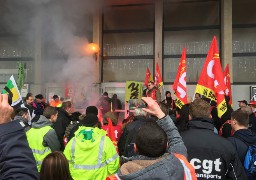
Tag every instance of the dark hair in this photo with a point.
(91, 110)
(151, 140)
(182, 121)
(105, 94)
(167, 92)
(75, 116)
(114, 96)
(55, 167)
(28, 95)
(21, 111)
(55, 96)
(241, 117)
(49, 111)
(199, 108)
(39, 96)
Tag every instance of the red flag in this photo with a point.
(158, 77)
(111, 133)
(211, 81)
(227, 83)
(148, 77)
(180, 85)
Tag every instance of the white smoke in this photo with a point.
(65, 26)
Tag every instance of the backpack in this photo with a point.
(250, 162)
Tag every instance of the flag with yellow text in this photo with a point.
(211, 81)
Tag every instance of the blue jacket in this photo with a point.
(16, 158)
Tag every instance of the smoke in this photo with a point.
(65, 28)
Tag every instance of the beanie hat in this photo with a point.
(91, 110)
(90, 120)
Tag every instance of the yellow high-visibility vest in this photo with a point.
(35, 141)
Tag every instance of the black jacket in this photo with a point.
(16, 158)
(61, 124)
(212, 156)
(241, 140)
(128, 137)
(252, 122)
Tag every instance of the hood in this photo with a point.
(88, 138)
(246, 135)
(42, 122)
(201, 123)
(137, 165)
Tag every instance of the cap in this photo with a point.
(90, 120)
(252, 103)
(243, 101)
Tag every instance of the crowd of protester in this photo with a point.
(51, 142)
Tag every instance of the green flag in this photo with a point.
(21, 75)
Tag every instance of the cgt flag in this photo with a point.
(14, 97)
(148, 77)
(158, 77)
(211, 81)
(180, 86)
(228, 91)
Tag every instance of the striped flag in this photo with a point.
(14, 97)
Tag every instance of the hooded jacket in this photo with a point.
(165, 167)
(241, 140)
(50, 139)
(128, 137)
(16, 158)
(212, 156)
(62, 122)
(91, 154)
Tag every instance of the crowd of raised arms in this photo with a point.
(160, 141)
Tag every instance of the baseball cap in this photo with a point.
(243, 101)
(252, 103)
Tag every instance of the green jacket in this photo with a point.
(91, 154)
